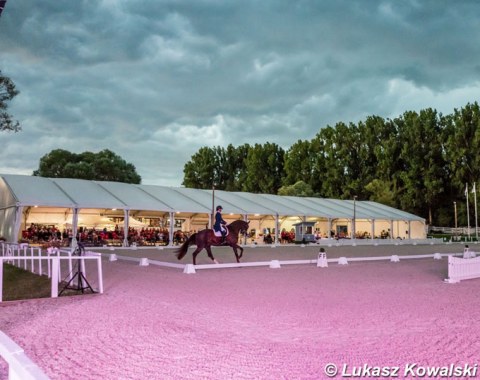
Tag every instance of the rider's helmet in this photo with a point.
(219, 207)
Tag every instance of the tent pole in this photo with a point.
(245, 218)
(170, 232)
(74, 228)
(126, 215)
(18, 220)
(277, 234)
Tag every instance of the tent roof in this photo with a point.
(75, 193)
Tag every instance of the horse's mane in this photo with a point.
(237, 224)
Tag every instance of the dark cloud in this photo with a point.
(156, 80)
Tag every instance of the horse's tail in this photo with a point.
(182, 251)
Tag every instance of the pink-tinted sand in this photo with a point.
(251, 323)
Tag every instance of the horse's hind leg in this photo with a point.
(194, 255)
(209, 252)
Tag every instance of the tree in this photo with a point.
(463, 145)
(199, 172)
(299, 189)
(422, 156)
(235, 166)
(223, 168)
(264, 165)
(102, 166)
(7, 93)
(334, 174)
(381, 192)
(298, 163)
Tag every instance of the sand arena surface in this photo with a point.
(253, 323)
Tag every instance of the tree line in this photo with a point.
(419, 162)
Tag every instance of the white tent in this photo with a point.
(21, 197)
(132, 222)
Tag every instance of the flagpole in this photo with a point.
(212, 218)
(468, 212)
(476, 219)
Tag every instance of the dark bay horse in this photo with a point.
(206, 238)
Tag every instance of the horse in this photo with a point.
(206, 238)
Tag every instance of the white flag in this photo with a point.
(474, 190)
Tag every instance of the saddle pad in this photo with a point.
(219, 233)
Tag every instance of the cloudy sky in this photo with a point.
(156, 80)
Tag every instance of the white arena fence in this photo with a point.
(465, 268)
(376, 242)
(56, 263)
(20, 366)
(320, 261)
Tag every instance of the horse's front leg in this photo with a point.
(235, 250)
(209, 252)
(241, 251)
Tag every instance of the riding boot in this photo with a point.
(223, 238)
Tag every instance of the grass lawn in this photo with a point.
(19, 284)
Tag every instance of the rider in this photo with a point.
(220, 223)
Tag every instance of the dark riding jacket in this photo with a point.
(218, 222)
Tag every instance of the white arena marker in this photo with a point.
(395, 259)
(189, 269)
(343, 261)
(322, 260)
(144, 262)
(112, 257)
(437, 256)
(275, 264)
